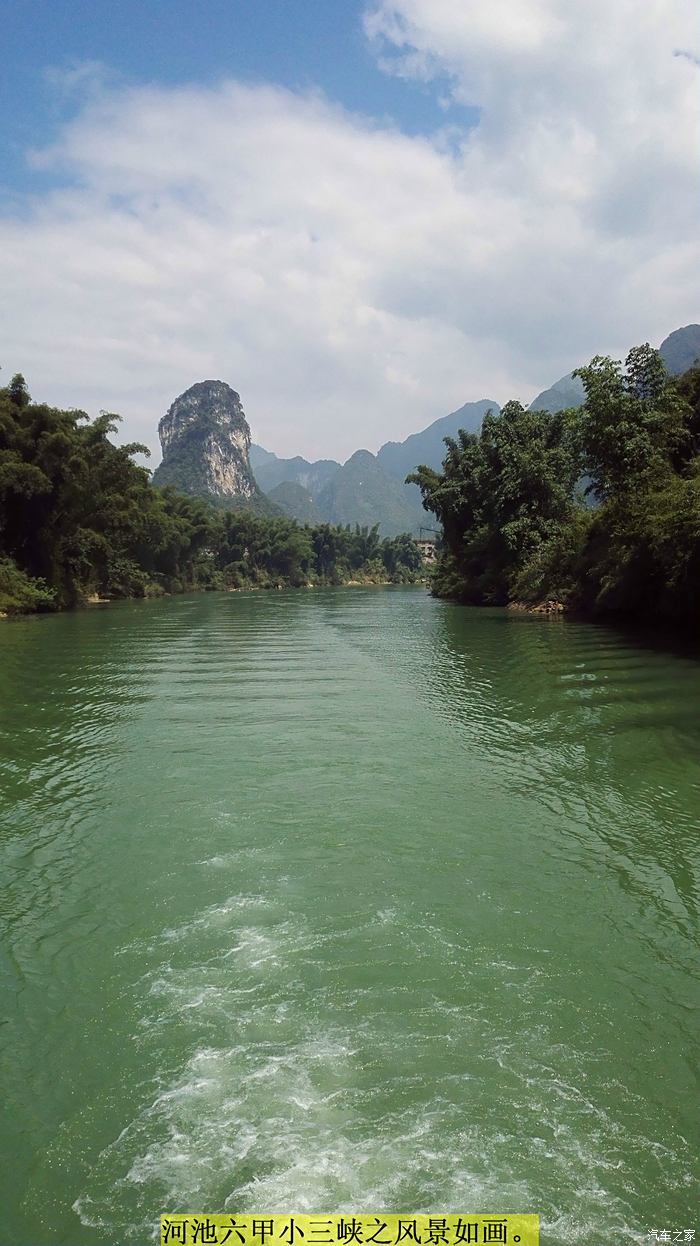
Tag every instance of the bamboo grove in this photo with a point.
(596, 508)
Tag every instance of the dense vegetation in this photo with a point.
(597, 508)
(80, 519)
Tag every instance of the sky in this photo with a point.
(361, 214)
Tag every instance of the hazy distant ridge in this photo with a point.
(679, 351)
(370, 489)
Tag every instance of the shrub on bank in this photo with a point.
(20, 593)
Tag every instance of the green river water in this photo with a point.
(346, 900)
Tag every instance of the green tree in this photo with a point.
(632, 421)
(502, 494)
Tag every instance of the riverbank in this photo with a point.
(89, 523)
(553, 608)
(154, 592)
(595, 510)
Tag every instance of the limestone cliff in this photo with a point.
(206, 441)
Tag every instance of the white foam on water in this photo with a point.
(256, 1127)
(386, 916)
(276, 1107)
(223, 860)
(215, 915)
(256, 949)
(223, 915)
(229, 1107)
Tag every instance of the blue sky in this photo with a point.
(300, 44)
(359, 213)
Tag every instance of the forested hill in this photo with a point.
(398, 458)
(368, 488)
(516, 526)
(358, 491)
(79, 519)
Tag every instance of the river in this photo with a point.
(346, 900)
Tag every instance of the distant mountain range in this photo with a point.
(358, 491)
(206, 450)
(368, 488)
(679, 351)
(294, 500)
(271, 471)
(568, 392)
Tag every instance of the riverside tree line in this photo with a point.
(79, 518)
(596, 508)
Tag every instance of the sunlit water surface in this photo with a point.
(346, 900)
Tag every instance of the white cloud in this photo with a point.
(80, 79)
(351, 282)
